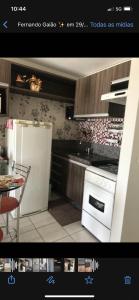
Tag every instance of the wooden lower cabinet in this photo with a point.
(59, 172)
(75, 183)
(68, 179)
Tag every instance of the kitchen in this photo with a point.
(87, 142)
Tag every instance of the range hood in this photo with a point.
(118, 97)
(118, 91)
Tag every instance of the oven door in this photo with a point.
(98, 203)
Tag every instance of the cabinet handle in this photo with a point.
(118, 94)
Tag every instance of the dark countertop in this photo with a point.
(90, 160)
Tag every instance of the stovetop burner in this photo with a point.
(109, 168)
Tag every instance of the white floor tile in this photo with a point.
(52, 232)
(83, 236)
(7, 240)
(10, 217)
(31, 236)
(6, 237)
(67, 239)
(38, 240)
(25, 225)
(42, 219)
(73, 227)
(2, 222)
(25, 221)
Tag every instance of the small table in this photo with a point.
(7, 170)
(10, 188)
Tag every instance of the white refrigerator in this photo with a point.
(29, 143)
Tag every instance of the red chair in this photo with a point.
(8, 203)
(1, 235)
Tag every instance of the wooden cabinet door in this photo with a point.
(75, 183)
(59, 174)
(114, 73)
(91, 104)
(88, 94)
(82, 95)
(5, 71)
(101, 87)
(120, 71)
(65, 173)
(89, 89)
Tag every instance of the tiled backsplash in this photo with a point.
(106, 131)
(105, 150)
(29, 108)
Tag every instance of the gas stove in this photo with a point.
(98, 198)
(110, 168)
(106, 169)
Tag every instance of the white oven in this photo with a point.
(98, 202)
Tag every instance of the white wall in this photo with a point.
(125, 226)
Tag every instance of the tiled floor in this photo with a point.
(42, 227)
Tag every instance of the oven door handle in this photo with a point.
(97, 204)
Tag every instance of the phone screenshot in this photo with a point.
(69, 150)
(86, 16)
(69, 278)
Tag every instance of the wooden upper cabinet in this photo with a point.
(88, 94)
(120, 71)
(89, 89)
(102, 79)
(90, 106)
(82, 95)
(5, 71)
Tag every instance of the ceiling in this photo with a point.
(75, 67)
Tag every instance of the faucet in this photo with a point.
(88, 149)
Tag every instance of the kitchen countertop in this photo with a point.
(89, 160)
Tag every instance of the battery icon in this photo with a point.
(127, 8)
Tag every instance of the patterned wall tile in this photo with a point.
(29, 108)
(106, 131)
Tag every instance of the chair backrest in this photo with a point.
(24, 171)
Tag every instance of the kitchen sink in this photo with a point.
(81, 157)
(92, 159)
